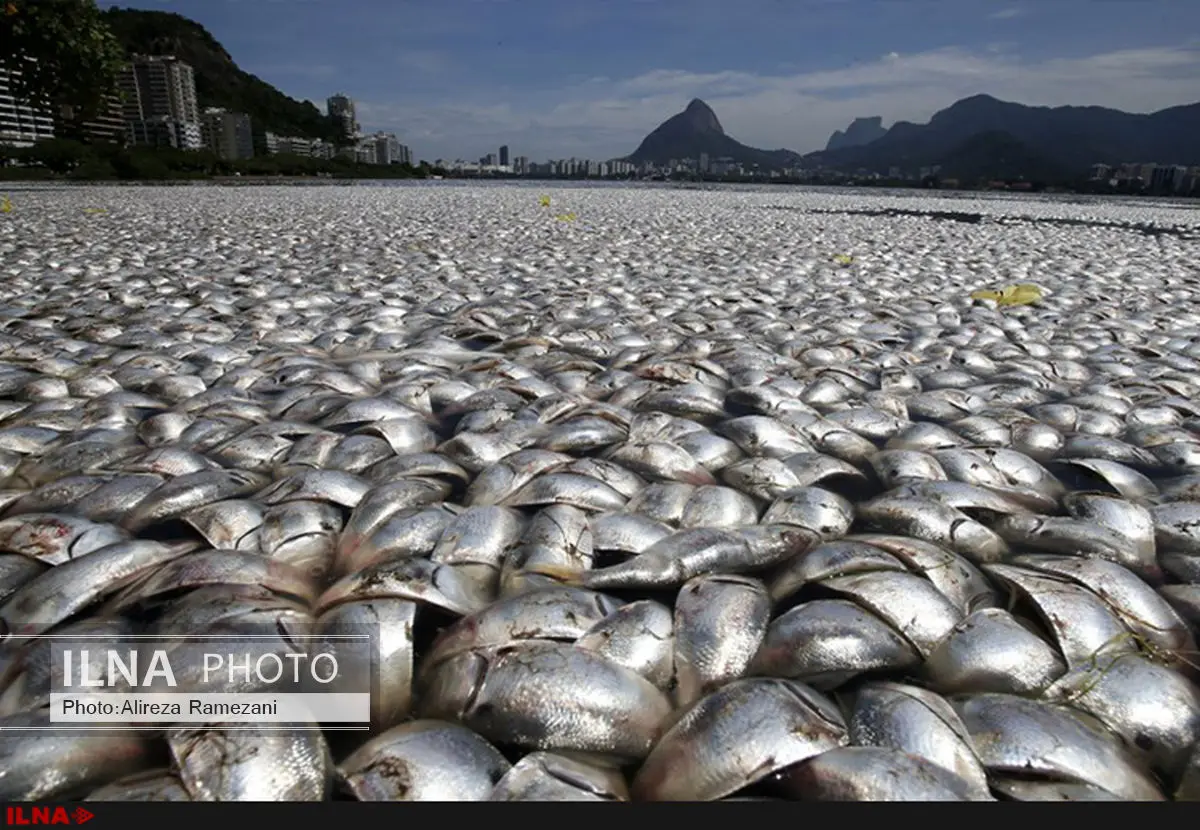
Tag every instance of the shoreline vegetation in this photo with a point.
(66, 161)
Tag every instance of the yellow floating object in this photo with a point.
(566, 217)
(1020, 294)
(6, 205)
(544, 200)
(844, 259)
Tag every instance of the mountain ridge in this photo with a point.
(1070, 137)
(695, 131)
(861, 131)
(1052, 141)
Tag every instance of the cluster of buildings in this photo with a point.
(158, 107)
(579, 168)
(502, 163)
(1160, 178)
(1151, 177)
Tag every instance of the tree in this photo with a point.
(64, 53)
(60, 155)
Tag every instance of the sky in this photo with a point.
(590, 78)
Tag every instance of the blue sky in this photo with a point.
(589, 78)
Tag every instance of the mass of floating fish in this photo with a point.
(691, 498)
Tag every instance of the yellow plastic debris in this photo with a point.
(544, 200)
(5, 205)
(843, 259)
(566, 217)
(1020, 294)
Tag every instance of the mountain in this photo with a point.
(697, 130)
(1066, 138)
(996, 154)
(219, 81)
(862, 131)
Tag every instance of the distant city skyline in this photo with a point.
(463, 77)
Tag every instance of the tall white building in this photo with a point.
(387, 148)
(160, 104)
(227, 134)
(366, 152)
(158, 86)
(20, 124)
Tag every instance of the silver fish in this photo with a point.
(871, 773)
(423, 760)
(550, 696)
(38, 766)
(720, 621)
(544, 776)
(252, 765)
(1015, 736)
(736, 736)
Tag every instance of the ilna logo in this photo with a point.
(46, 815)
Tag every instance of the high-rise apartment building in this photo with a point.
(387, 148)
(341, 110)
(160, 105)
(159, 86)
(21, 124)
(504, 155)
(228, 134)
(107, 124)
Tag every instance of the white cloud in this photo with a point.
(602, 118)
(1006, 14)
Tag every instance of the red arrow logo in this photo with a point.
(80, 815)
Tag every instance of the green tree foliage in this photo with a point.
(64, 52)
(65, 158)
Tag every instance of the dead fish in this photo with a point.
(826, 642)
(55, 539)
(1017, 736)
(252, 765)
(736, 736)
(552, 613)
(423, 760)
(918, 722)
(549, 696)
(991, 651)
(689, 553)
(930, 521)
(720, 621)
(59, 593)
(544, 776)
(39, 766)
(870, 773)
